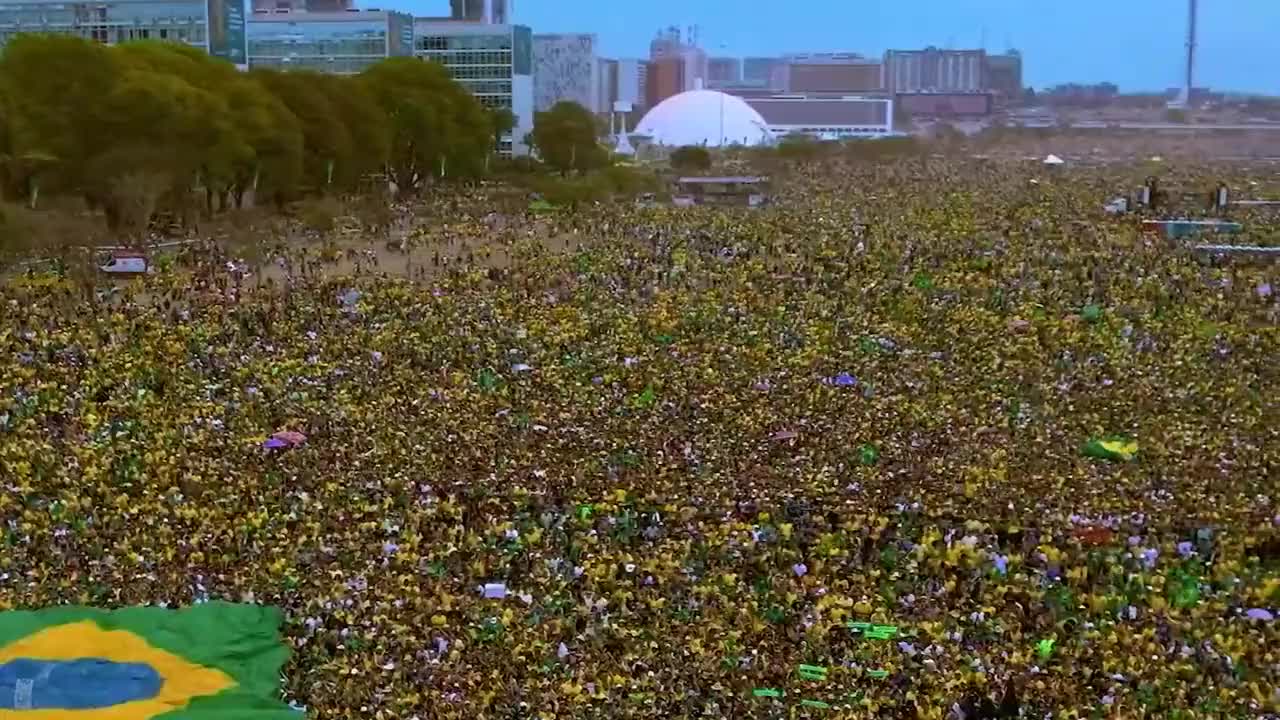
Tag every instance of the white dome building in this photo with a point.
(704, 117)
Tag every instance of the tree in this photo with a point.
(501, 122)
(799, 147)
(691, 158)
(436, 127)
(275, 171)
(565, 138)
(211, 149)
(367, 125)
(263, 135)
(60, 81)
(326, 142)
(164, 134)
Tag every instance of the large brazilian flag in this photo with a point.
(213, 661)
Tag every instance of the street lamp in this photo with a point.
(720, 144)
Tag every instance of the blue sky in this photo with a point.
(1137, 44)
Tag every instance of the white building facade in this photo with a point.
(566, 67)
(632, 77)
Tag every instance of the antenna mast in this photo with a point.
(1191, 53)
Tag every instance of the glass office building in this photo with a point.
(217, 26)
(344, 42)
(494, 62)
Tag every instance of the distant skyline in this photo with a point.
(1137, 44)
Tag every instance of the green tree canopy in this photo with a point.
(565, 138)
(501, 122)
(368, 126)
(436, 127)
(57, 83)
(691, 158)
(326, 142)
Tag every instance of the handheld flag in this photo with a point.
(646, 398)
(882, 632)
(1044, 648)
(1115, 448)
(813, 672)
(868, 454)
(214, 661)
(873, 632)
(766, 692)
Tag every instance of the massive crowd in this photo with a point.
(824, 459)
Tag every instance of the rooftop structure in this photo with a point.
(704, 117)
(497, 12)
(746, 191)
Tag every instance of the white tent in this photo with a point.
(1053, 160)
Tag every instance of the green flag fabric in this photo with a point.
(1119, 449)
(213, 661)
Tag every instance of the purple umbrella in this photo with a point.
(844, 379)
(275, 444)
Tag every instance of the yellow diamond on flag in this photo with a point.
(210, 661)
(180, 681)
(1125, 449)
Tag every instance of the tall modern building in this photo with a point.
(831, 73)
(757, 72)
(494, 62)
(497, 12)
(934, 70)
(675, 65)
(1004, 75)
(724, 72)
(606, 84)
(665, 77)
(341, 42)
(633, 79)
(217, 26)
(566, 67)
